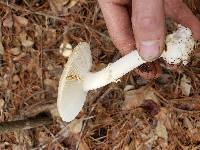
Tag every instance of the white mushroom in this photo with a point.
(77, 79)
(71, 95)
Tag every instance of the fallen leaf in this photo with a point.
(185, 85)
(27, 43)
(149, 143)
(21, 20)
(25, 40)
(161, 131)
(164, 117)
(8, 21)
(75, 126)
(15, 51)
(135, 98)
(83, 146)
(187, 123)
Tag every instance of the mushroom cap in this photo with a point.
(179, 46)
(71, 96)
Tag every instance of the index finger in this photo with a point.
(118, 23)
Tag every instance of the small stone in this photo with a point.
(15, 51)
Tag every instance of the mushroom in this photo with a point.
(71, 95)
(76, 79)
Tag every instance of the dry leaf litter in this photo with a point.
(37, 37)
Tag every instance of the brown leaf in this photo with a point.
(135, 98)
(25, 40)
(161, 131)
(164, 117)
(185, 85)
(15, 51)
(73, 128)
(8, 21)
(83, 146)
(21, 20)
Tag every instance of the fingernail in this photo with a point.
(150, 50)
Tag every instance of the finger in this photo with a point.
(149, 27)
(118, 23)
(179, 12)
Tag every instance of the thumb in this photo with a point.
(149, 27)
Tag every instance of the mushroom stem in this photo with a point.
(113, 71)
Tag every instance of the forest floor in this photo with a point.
(133, 114)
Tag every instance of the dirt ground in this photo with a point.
(133, 114)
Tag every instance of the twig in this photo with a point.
(28, 123)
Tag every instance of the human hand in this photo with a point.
(145, 20)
